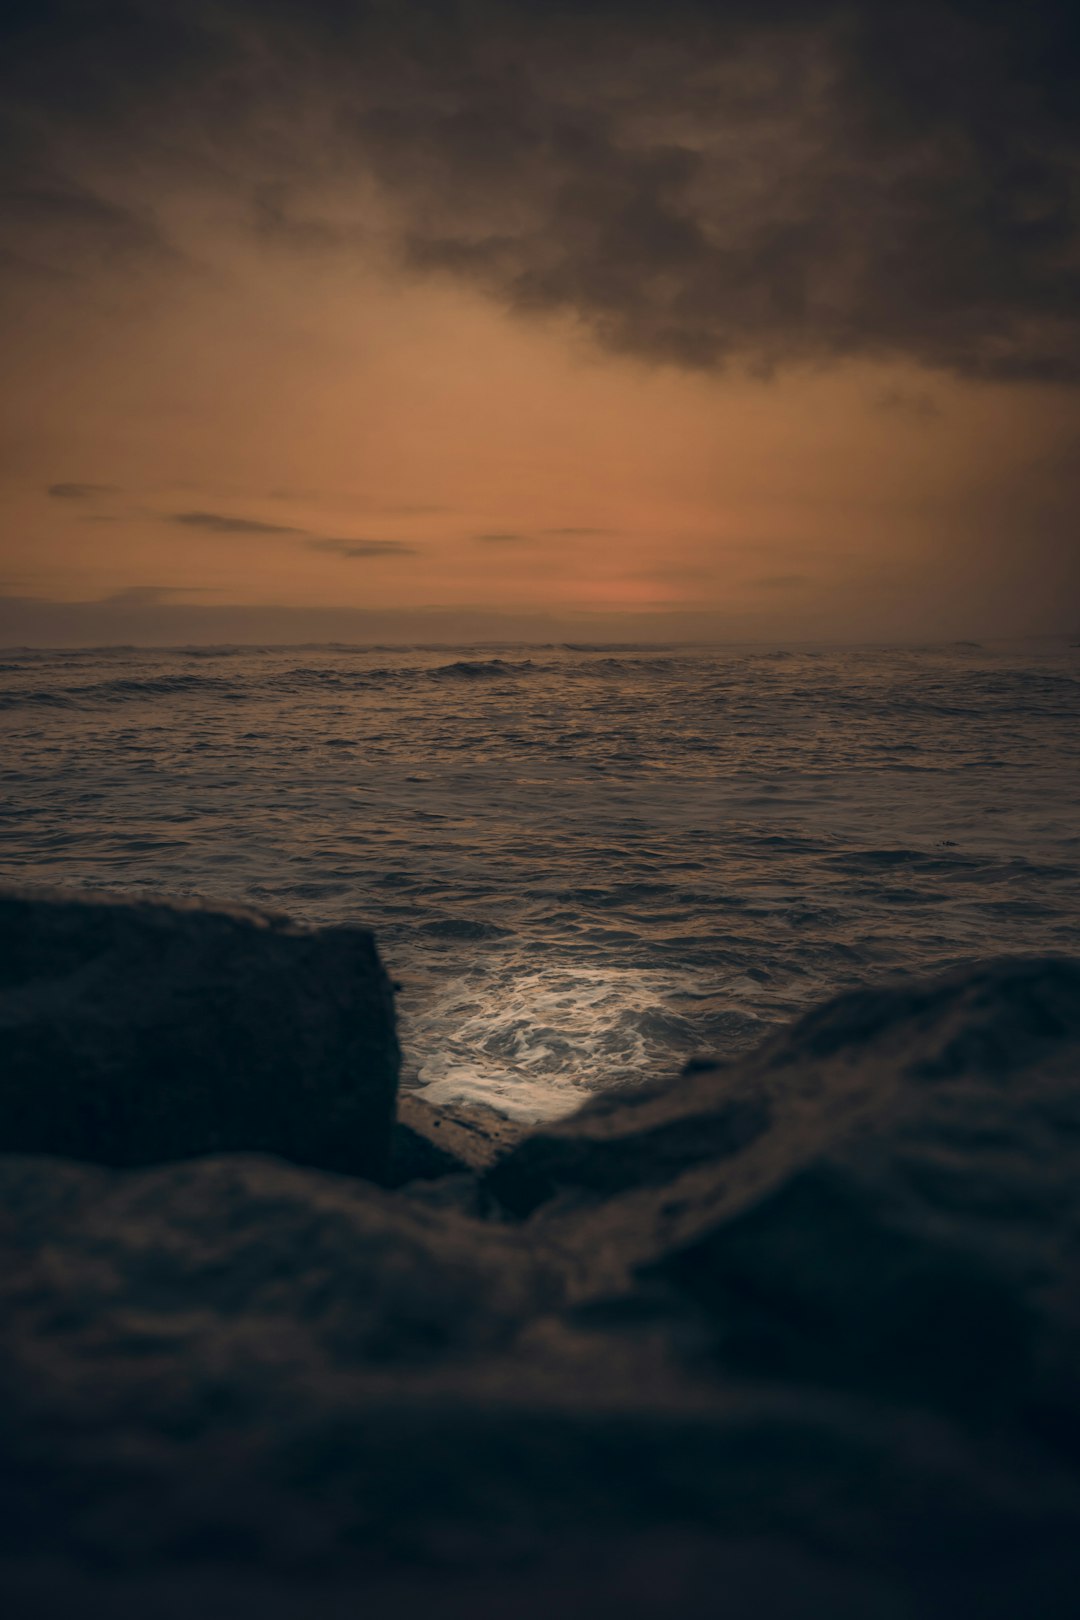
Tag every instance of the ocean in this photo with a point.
(584, 865)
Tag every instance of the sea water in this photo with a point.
(584, 864)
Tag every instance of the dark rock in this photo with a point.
(816, 1356)
(906, 1224)
(911, 1228)
(133, 1031)
(853, 1057)
(432, 1142)
(630, 1139)
(242, 1381)
(289, 1261)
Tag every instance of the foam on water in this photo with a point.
(534, 1043)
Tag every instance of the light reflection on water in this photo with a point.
(532, 1043)
(582, 866)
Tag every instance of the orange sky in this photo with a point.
(514, 464)
(239, 420)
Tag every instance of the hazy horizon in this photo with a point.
(36, 624)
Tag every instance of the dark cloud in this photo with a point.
(60, 223)
(72, 213)
(223, 523)
(80, 492)
(502, 539)
(692, 183)
(362, 548)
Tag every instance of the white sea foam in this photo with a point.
(535, 1042)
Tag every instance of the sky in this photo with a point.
(425, 320)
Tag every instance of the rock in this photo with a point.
(271, 1389)
(285, 1262)
(134, 1031)
(814, 1355)
(854, 1056)
(629, 1139)
(433, 1142)
(911, 1228)
(903, 1222)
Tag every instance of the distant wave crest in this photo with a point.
(129, 689)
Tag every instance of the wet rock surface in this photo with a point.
(795, 1337)
(136, 1031)
(430, 1142)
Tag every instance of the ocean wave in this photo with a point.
(616, 646)
(226, 651)
(306, 677)
(45, 698)
(481, 669)
(124, 690)
(615, 665)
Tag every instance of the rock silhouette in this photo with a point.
(793, 1337)
(134, 1031)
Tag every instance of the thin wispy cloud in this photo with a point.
(338, 499)
(362, 548)
(80, 492)
(223, 523)
(149, 595)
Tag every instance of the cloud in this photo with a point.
(761, 185)
(136, 596)
(694, 184)
(58, 223)
(674, 574)
(80, 492)
(502, 539)
(74, 211)
(226, 523)
(223, 523)
(362, 548)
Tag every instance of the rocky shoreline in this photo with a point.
(794, 1336)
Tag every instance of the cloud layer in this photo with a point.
(694, 184)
